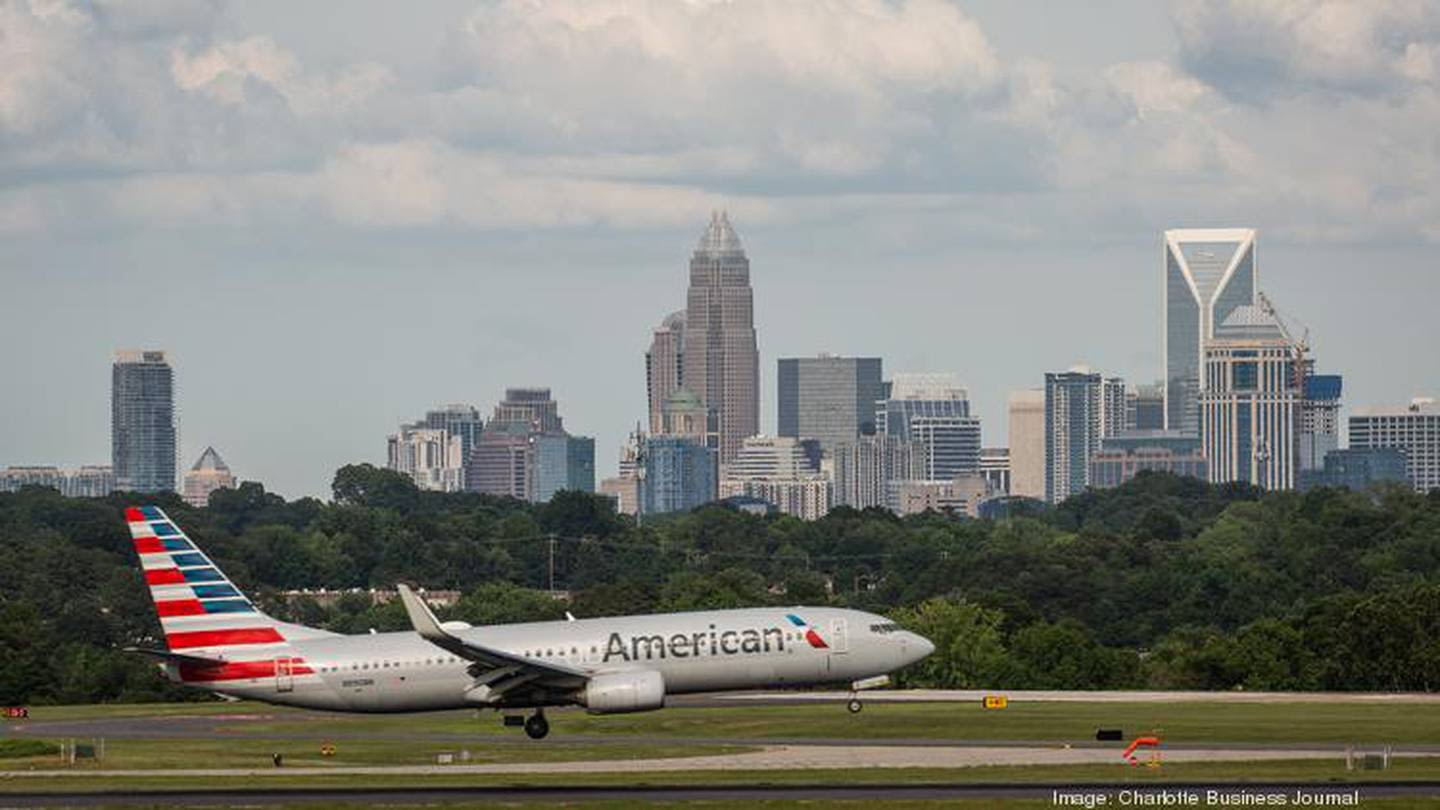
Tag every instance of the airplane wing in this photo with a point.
(496, 670)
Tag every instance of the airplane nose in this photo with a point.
(923, 647)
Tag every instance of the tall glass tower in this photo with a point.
(142, 421)
(722, 363)
(1209, 272)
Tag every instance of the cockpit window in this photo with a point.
(885, 627)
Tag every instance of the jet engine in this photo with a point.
(639, 691)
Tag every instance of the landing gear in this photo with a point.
(855, 705)
(536, 726)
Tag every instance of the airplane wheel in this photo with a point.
(536, 726)
(855, 705)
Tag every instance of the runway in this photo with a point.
(874, 792)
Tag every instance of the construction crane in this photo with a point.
(1301, 346)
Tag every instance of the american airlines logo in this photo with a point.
(709, 642)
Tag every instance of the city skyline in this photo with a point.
(391, 243)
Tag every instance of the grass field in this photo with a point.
(1331, 724)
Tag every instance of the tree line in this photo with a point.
(1164, 583)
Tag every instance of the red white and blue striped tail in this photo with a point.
(202, 613)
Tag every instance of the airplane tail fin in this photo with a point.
(202, 614)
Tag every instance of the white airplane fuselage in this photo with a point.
(705, 651)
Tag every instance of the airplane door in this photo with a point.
(839, 637)
(284, 674)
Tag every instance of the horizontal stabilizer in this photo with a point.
(178, 658)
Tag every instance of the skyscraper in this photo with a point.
(432, 457)
(665, 365)
(524, 451)
(679, 475)
(1413, 429)
(456, 419)
(563, 462)
(722, 363)
(1027, 443)
(1145, 407)
(208, 474)
(142, 421)
(1249, 405)
(1319, 420)
(864, 468)
(1208, 273)
(1081, 408)
(934, 410)
(831, 399)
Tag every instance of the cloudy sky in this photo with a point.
(336, 215)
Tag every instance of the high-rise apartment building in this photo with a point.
(722, 362)
(1413, 429)
(1319, 420)
(431, 457)
(456, 419)
(1208, 273)
(781, 471)
(864, 468)
(679, 475)
(961, 495)
(1081, 408)
(934, 410)
(90, 481)
(208, 474)
(665, 365)
(1027, 443)
(827, 398)
(1250, 401)
(142, 421)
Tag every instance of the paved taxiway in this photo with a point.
(879, 793)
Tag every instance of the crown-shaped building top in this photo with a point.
(719, 238)
(210, 460)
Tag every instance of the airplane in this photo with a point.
(216, 639)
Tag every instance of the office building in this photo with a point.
(1127, 453)
(208, 474)
(500, 464)
(995, 469)
(934, 410)
(805, 498)
(961, 495)
(531, 409)
(142, 421)
(665, 365)
(1145, 407)
(771, 458)
(1250, 401)
(1209, 272)
(1413, 429)
(827, 398)
(90, 481)
(431, 457)
(1358, 469)
(1319, 420)
(679, 475)
(1081, 408)
(562, 462)
(722, 363)
(863, 469)
(1027, 443)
